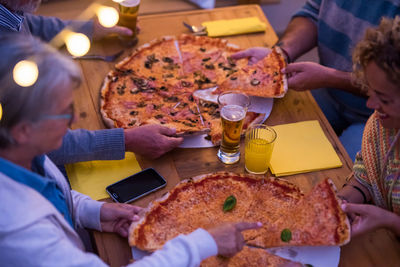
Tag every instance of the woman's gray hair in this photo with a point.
(32, 102)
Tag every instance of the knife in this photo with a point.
(197, 30)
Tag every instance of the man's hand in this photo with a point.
(117, 217)
(254, 54)
(307, 76)
(229, 238)
(100, 32)
(151, 141)
(366, 218)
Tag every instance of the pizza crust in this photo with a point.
(104, 90)
(284, 76)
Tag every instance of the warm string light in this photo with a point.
(1, 111)
(108, 16)
(77, 44)
(25, 73)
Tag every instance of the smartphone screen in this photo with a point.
(135, 186)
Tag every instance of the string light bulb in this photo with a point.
(1, 111)
(77, 44)
(108, 16)
(25, 73)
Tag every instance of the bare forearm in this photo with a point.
(299, 37)
(352, 195)
(342, 80)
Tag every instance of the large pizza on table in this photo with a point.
(156, 84)
(289, 217)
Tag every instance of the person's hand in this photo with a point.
(366, 218)
(117, 217)
(306, 75)
(229, 238)
(151, 141)
(254, 54)
(100, 32)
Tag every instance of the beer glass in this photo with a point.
(128, 12)
(233, 108)
(259, 144)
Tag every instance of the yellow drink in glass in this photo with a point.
(258, 148)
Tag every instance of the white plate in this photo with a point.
(322, 256)
(257, 104)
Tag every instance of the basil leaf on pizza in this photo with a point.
(286, 235)
(229, 204)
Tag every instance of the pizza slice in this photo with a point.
(158, 60)
(312, 220)
(263, 79)
(249, 257)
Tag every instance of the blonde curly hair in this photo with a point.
(382, 46)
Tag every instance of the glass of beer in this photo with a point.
(259, 144)
(233, 108)
(128, 12)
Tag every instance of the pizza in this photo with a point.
(248, 257)
(289, 217)
(156, 84)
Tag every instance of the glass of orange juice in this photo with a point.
(259, 144)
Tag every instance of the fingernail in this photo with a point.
(343, 206)
(259, 224)
(283, 70)
(135, 218)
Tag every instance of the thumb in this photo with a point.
(241, 226)
(354, 208)
(293, 67)
(175, 141)
(242, 54)
(121, 30)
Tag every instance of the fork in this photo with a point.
(100, 57)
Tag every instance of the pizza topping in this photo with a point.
(159, 116)
(134, 90)
(286, 235)
(172, 99)
(206, 59)
(151, 59)
(202, 49)
(231, 62)
(255, 82)
(191, 99)
(209, 66)
(132, 123)
(121, 88)
(233, 78)
(134, 112)
(188, 124)
(152, 78)
(229, 204)
(168, 75)
(167, 60)
(141, 104)
(186, 84)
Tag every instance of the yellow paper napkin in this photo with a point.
(92, 177)
(302, 147)
(234, 26)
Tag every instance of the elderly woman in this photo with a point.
(376, 170)
(39, 212)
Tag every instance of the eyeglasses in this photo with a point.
(69, 116)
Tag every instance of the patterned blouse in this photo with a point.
(377, 165)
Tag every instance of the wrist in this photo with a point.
(286, 54)
(393, 223)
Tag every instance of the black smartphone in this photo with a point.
(136, 186)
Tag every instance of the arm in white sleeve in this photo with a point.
(86, 211)
(43, 244)
(182, 251)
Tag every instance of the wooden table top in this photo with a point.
(379, 248)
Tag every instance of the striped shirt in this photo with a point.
(10, 20)
(341, 25)
(377, 166)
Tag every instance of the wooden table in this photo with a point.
(379, 248)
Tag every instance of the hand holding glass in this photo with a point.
(259, 144)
